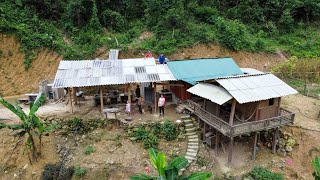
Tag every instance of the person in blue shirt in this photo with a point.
(162, 59)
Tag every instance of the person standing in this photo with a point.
(140, 104)
(161, 104)
(149, 55)
(162, 59)
(128, 108)
(138, 91)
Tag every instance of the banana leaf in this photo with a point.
(15, 109)
(153, 156)
(178, 162)
(37, 103)
(160, 163)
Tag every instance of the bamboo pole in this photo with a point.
(70, 101)
(101, 98)
(217, 142)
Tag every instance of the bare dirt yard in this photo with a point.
(115, 156)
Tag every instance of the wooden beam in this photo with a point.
(181, 85)
(155, 97)
(70, 101)
(233, 108)
(230, 151)
(101, 98)
(217, 142)
(275, 140)
(255, 146)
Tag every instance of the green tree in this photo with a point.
(169, 171)
(31, 124)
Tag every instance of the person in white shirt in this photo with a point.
(128, 108)
(161, 104)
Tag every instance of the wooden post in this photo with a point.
(275, 140)
(233, 108)
(155, 97)
(204, 132)
(101, 98)
(217, 142)
(70, 101)
(129, 93)
(255, 146)
(205, 104)
(279, 104)
(74, 95)
(230, 151)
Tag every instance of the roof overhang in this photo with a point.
(211, 92)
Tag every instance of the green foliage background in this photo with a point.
(251, 25)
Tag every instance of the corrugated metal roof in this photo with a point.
(192, 71)
(211, 92)
(251, 71)
(80, 73)
(256, 88)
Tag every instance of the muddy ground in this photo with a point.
(116, 157)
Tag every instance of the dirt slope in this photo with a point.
(15, 80)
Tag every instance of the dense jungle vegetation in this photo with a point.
(77, 28)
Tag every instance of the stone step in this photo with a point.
(187, 120)
(191, 133)
(193, 144)
(192, 150)
(193, 140)
(190, 129)
(185, 117)
(191, 154)
(189, 125)
(193, 136)
(189, 158)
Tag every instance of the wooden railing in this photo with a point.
(285, 117)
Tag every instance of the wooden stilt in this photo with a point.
(279, 104)
(233, 108)
(205, 128)
(70, 101)
(129, 93)
(74, 96)
(101, 98)
(155, 97)
(217, 142)
(230, 151)
(255, 146)
(275, 140)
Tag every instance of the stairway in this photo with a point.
(182, 108)
(193, 139)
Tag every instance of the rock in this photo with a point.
(288, 148)
(83, 136)
(15, 175)
(6, 172)
(203, 168)
(33, 173)
(25, 166)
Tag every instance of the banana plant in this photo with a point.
(169, 171)
(316, 165)
(30, 124)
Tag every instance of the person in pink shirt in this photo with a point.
(161, 104)
(149, 55)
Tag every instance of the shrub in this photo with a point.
(261, 173)
(80, 172)
(57, 172)
(89, 150)
(169, 131)
(113, 20)
(150, 141)
(316, 166)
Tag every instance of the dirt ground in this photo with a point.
(111, 161)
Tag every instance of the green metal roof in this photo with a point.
(195, 70)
